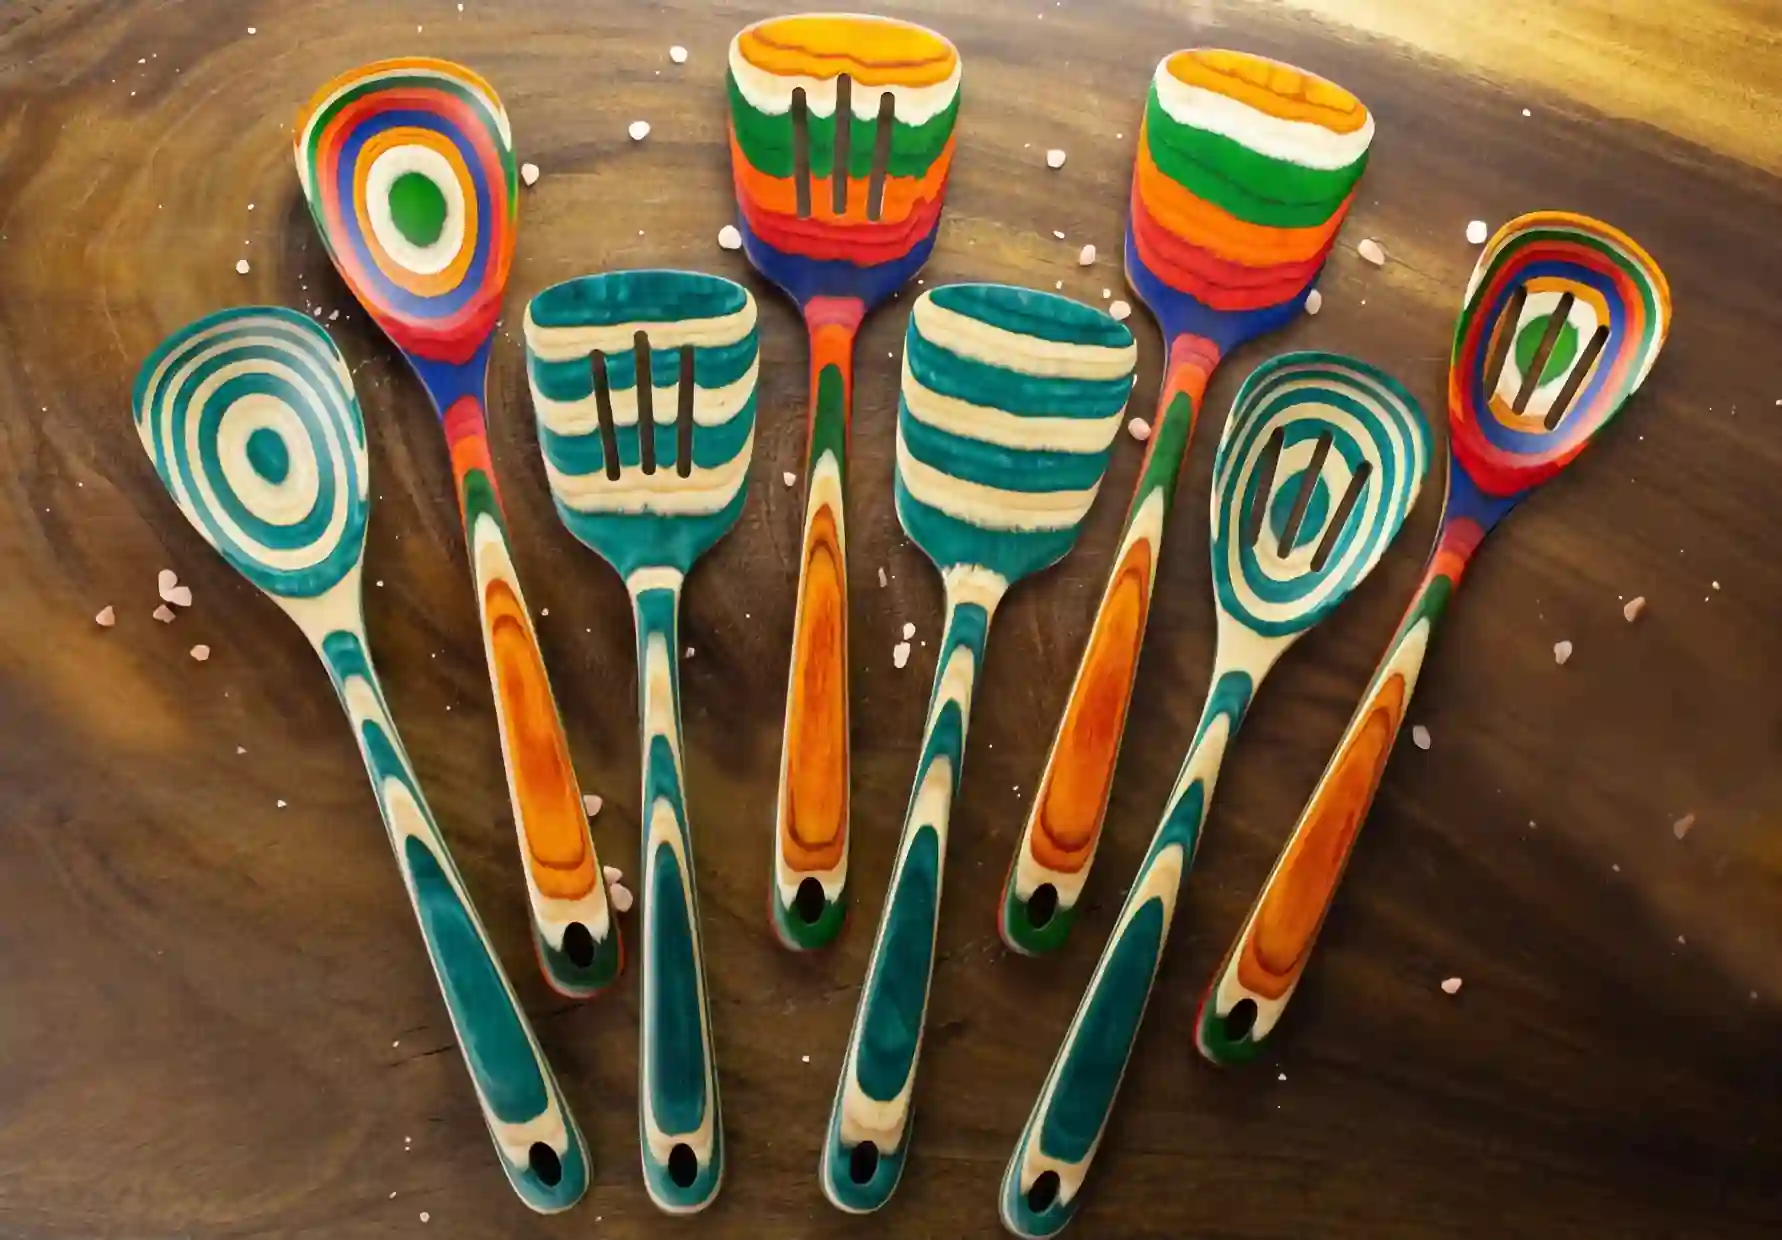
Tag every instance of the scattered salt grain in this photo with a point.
(1634, 607)
(1108, 292)
(200, 653)
(729, 238)
(426, 1217)
(678, 54)
(1055, 158)
(1139, 429)
(621, 895)
(909, 630)
(1420, 736)
(1058, 284)
(1058, 233)
(882, 582)
(242, 267)
(807, 1058)
(690, 652)
(591, 804)
(900, 654)
(164, 614)
(165, 580)
(1281, 1077)
(529, 173)
(1561, 652)
(1476, 232)
(1086, 256)
(789, 478)
(1526, 112)
(107, 617)
(613, 873)
(240, 749)
(1120, 310)
(1680, 828)
(1451, 986)
(639, 130)
(1314, 302)
(1371, 251)
(282, 803)
(251, 30)
(179, 596)
(1715, 584)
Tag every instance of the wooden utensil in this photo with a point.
(1246, 168)
(1319, 462)
(840, 216)
(1010, 401)
(250, 420)
(644, 387)
(1562, 320)
(408, 166)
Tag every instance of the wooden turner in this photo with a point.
(1011, 400)
(644, 387)
(1562, 321)
(250, 420)
(1320, 460)
(1246, 168)
(841, 136)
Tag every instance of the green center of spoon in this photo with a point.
(418, 208)
(268, 455)
(1528, 343)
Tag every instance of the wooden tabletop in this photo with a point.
(215, 1015)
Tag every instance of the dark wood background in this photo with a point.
(215, 1017)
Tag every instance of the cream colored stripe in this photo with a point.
(711, 406)
(1299, 142)
(991, 508)
(1010, 430)
(771, 93)
(565, 344)
(1052, 359)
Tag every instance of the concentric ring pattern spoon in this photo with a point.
(841, 138)
(1320, 460)
(408, 167)
(1246, 168)
(250, 420)
(643, 383)
(1011, 400)
(1562, 320)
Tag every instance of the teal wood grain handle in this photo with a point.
(869, 1123)
(540, 1149)
(1041, 1187)
(679, 1129)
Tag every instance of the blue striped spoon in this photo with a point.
(1011, 399)
(250, 420)
(1319, 463)
(650, 475)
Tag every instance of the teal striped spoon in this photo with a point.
(1320, 461)
(250, 420)
(644, 387)
(1011, 400)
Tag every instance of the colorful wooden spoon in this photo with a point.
(250, 420)
(1010, 403)
(644, 387)
(408, 166)
(1246, 168)
(1319, 462)
(839, 216)
(1563, 319)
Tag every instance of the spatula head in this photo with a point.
(842, 207)
(250, 420)
(1246, 168)
(1011, 399)
(644, 387)
(1563, 319)
(1321, 459)
(408, 166)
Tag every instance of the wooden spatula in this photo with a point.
(1246, 168)
(841, 136)
(644, 387)
(1010, 401)
(1320, 461)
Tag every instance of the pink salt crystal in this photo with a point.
(107, 617)
(1451, 986)
(1634, 607)
(1680, 828)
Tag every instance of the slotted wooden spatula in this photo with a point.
(841, 137)
(644, 387)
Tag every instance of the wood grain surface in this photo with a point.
(215, 1020)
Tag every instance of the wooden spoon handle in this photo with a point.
(682, 1136)
(540, 1149)
(868, 1137)
(573, 927)
(1045, 1173)
(1251, 988)
(810, 862)
(1058, 843)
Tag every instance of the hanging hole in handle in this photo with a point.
(1580, 372)
(545, 1164)
(683, 1165)
(578, 944)
(863, 1162)
(603, 413)
(646, 400)
(1302, 500)
(1240, 1020)
(881, 156)
(1340, 518)
(809, 901)
(1041, 905)
(801, 152)
(683, 420)
(1251, 531)
(1043, 1192)
(844, 135)
(1537, 365)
